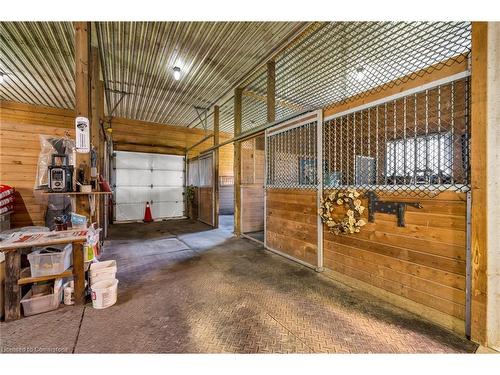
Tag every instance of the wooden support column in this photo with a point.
(82, 100)
(216, 166)
(95, 131)
(479, 180)
(238, 94)
(271, 91)
(12, 289)
(95, 100)
(78, 273)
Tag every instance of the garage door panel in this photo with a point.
(167, 194)
(167, 178)
(126, 194)
(133, 177)
(168, 209)
(167, 162)
(141, 178)
(129, 211)
(132, 160)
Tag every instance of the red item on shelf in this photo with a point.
(7, 208)
(6, 190)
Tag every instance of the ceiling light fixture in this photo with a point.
(360, 74)
(1, 77)
(177, 73)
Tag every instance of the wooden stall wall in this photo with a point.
(20, 128)
(291, 223)
(252, 185)
(421, 266)
(206, 204)
(423, 261)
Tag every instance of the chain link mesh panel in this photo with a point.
(291, 157)
(417, 144)
(253, 110)
(337, 62)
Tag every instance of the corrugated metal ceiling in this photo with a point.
(317, 69)
(320, 67)
(38, 59)
(138, 59)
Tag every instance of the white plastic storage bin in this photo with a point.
(50, 263)
(102, 271)
(45, 299)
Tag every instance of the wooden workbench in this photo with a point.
(12, 247)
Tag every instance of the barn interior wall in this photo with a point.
(22, 124)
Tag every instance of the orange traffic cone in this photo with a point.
(147, 214)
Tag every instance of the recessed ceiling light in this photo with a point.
(1, 77)
(177, 73)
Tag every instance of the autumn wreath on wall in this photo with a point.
(349, 224)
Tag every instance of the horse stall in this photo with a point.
(392, 195)
(252, 188)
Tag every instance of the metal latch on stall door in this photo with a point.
(394, 208)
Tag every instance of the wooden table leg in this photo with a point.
(12, 289)
(78, 273)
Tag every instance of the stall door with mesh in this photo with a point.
(154, 178)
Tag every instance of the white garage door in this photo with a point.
(154, 178)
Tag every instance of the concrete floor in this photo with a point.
(186, 288)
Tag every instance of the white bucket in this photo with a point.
(101, 271)
(104, 293)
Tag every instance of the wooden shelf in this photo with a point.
(78, 193)
(27, 279)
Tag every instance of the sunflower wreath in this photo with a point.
(352, 222)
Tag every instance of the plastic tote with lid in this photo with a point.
(52, 260)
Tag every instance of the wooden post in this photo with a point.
(238, 94)
(95, 131)
(78, 273)
(478, 159)
(82, 93)
(12, 289)
(95, 100)
(216, 166)
(271, 91)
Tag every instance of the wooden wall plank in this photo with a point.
(290, 216)
(424, 262)
(479, 224)
(20, 128)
